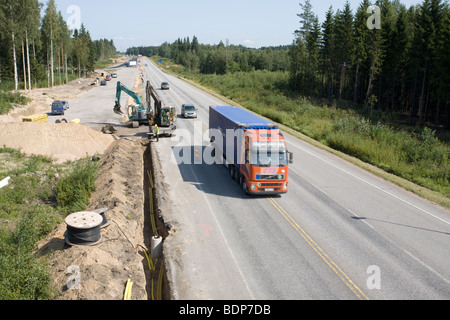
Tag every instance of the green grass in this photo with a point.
(415, 155)
(9, 101)
(30, 208)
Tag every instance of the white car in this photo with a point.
(188, 111)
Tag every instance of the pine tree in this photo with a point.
(344, 51)
(361, 44)
(442, 70)
(428, 24)
(327, 51)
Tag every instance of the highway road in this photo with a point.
(340, 232)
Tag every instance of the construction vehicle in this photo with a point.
(164, 117)
(252, 148)
(137, 113)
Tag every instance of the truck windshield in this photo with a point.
(269, 159)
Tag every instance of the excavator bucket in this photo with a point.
(117, 108)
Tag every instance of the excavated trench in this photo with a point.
(154, 226)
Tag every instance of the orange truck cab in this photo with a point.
(252, 148)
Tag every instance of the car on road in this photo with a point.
(103, 82)
(114, 75)
(65, 104)
(165, 86)
(188, 111)
(57, 108)
(108, 77)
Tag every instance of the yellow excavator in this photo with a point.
(164, 117)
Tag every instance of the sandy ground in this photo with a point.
(103, 269)
(62, 142)
(43, 98)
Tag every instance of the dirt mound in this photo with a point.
(63, 142)
(104, 269)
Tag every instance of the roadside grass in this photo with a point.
(30, 208)
(9, 101)
(415, 155)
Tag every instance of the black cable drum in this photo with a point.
(102, 212)
(83, 228)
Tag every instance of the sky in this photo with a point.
(252, 23)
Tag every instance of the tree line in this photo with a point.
(401, 67)
(219, 59)
(35, 49)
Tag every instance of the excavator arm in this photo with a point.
(121, 87)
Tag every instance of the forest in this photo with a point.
(41, 51)
(400, 69)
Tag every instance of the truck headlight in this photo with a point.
(252, 187)
(285, 186)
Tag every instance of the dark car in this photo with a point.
(165, 86)
(103, 82)
(57, 108)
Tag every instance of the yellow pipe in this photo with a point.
(127, 295)
(160, 280)
(150, 178)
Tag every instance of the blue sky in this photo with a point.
(253, 23)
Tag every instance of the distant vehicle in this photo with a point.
(132, 63)
(65, 104)
(114, 75)
(165, 86)
(103, 82)
(108, 77)
(57, 108)
(188, 111)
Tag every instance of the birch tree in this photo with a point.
(50, 32)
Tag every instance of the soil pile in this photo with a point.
(104, 269)
(62, 142)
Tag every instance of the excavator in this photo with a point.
(161, 119)
(137, 113)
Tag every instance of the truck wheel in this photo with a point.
(244, 185)
(231, 171)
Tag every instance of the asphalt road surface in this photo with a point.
(340, 232)
(95, 108)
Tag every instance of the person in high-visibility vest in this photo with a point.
(157, 132)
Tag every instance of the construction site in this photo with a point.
(157, 228)
(129, 192)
